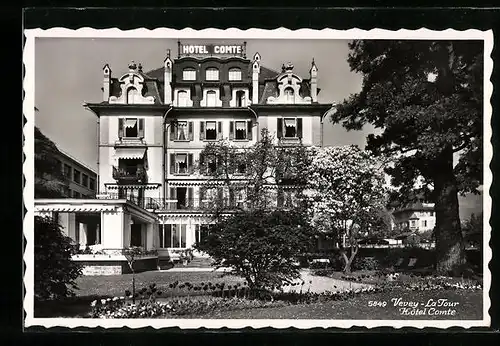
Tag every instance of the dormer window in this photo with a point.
(289, 95)
(211, 99)
(132, 96)
(182, 98)
(235, 74)
(212, 74)
(189, 74)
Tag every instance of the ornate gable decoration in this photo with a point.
(288, 88)
(131, 85)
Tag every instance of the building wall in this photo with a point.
(80, 188)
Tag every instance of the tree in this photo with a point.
(49, 180)
(427, 99)
(259, 245)
(472, 230)
(55, 272)
(347, 196)
(260, 172)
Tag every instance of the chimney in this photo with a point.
(106, 83)
(314, 82)
(255, 78)
(167, 64)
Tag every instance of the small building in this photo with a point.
(417, 217)
(81, 179)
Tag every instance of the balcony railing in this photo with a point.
(123, 176)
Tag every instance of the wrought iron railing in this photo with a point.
(122, 175)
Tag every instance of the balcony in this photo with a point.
(124, 176)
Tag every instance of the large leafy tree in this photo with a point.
(49, 180)
(426, 97)
(347, 195)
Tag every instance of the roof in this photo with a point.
(152, 86)
(418, 206)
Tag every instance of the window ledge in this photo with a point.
(241, 140)
(182, 140)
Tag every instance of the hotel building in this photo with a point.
(153, 126)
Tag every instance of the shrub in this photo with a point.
(366, 263)
(259, 245)
(55, 272)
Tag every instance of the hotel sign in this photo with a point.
(212, 50)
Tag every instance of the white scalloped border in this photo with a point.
(234, 33)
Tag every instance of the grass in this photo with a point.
(97, 287)
(469, 308)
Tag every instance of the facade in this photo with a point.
(82, 180)
(419, 218)
(153, 126)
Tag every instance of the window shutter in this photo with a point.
(299, 127)
(190, 197)
(141, 128)
(219, 132)
(173, 127)
(173, 193)
(172, 163)
(249, 130)
(190, 131)
(220, 195)
(202, 195)
(120, 128)
(202, 130)
(280, 127)
(231, 130)
(232, 191)
(190, 163)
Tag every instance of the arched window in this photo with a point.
(182, 98)
(240, 98)
(289, 95)
(235, 74)
(211, 98)
(212, 74)
(132, 95)
(189, 74)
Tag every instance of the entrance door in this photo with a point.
(135, 235)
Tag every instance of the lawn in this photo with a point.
(469, 308)
(91, 287)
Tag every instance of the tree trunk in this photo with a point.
(348, 260)
(450, 250)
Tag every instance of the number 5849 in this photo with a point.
(377, 303)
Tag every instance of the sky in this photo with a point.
(68, 72)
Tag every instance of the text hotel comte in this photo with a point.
(215, 49)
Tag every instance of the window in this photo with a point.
(211, 130)
(133, 95)
(85, 180)
(130, 128)
(240, 198)
(67, 191)
(189, 74)
(135, 234)
(241, 130)
(212, 74)
(182, 134)
(92, 184)
(201, 232)
(59, 165)
(67, 171)
(182, 98)
(234, 74)
(413, 223)
(290, 127)
(76, 176)
(76, 194)
(240, 98)
(181, 163)
(172, 236)
(211, 99)
(289, 95)
(424, 223)
(241, 165)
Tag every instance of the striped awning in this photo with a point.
(240, 125)
(290, 122)
(74, 208)
(130, 122)
(135, 186)
(130, 153)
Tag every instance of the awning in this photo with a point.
(130, 153)
(240, 125)
(211, 125)
(130, 187)
(74, 208)
(180, 158)
(130, 122)
(290, 122)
